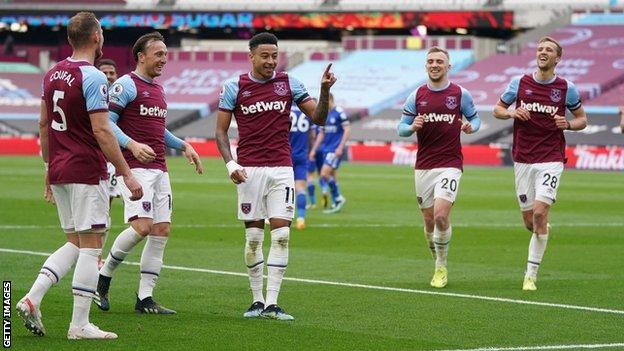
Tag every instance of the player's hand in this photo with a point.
(142, 152)
(193, 158)
(339, 152)
(237, 172)
(418, 123)
(47, 191)
(521, 114)
(134, 186)
(561, 122)
(328, 79)
(467, 128)
(239, 176)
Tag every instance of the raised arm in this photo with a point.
(318, 111)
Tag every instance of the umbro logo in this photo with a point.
(246, 93)
(423, 103)
(529, 92)
(146, 94)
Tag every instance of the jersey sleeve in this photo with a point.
(122, 92)
(409, 113)
(573, 98)
(342, 116)
(299, 92)
(511, 93)
(229, 92)
(467, 105)
(94, 89)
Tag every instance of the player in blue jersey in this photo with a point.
(312, 169)
(300, 139)
(328, 149)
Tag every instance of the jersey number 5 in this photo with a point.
(61, 127)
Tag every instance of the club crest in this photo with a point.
(523, 198)
(280, 88)
(555, 95)
(246, 207)
(451, 102)
(419, 200)
(147, 206)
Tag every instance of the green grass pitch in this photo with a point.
(376, 241)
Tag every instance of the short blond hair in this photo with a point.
(552, 40)
(434, 49)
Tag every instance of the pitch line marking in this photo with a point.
(551, 347)
(336, 225)
(370, 287)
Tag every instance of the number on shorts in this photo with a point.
(446, 184)
(550, 181)
(169, 198)
(290, 195)
(61, 127)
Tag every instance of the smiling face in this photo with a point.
(547, 55)
(154, 58)
(437, 66)
(264, 60)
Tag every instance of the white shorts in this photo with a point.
(113, 188)
(436, 183)
(268, 192)
(537, 181)
(157, 200)
(82, 207)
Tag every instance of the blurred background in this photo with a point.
(377, 47)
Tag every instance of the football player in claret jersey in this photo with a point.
(300, 139)
(109, 68)
(260, 101)
(75, 136)
(434, 111)
(138, 110)
(328, 150)
(539, 144)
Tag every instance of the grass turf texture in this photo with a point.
(376, 240)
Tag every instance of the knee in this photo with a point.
(441, 221)
(160, 230)
(280, 237)
(142, 228)
(254, 237)
(539, 216)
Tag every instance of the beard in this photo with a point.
(436, 80)
(98, 54)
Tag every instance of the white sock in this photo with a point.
(53, 269)
(537, 246)
(441, 240)
(254, 260)
(151, 263)
(429, 238)
(84, 284)
(277, 262)
(126, 240)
